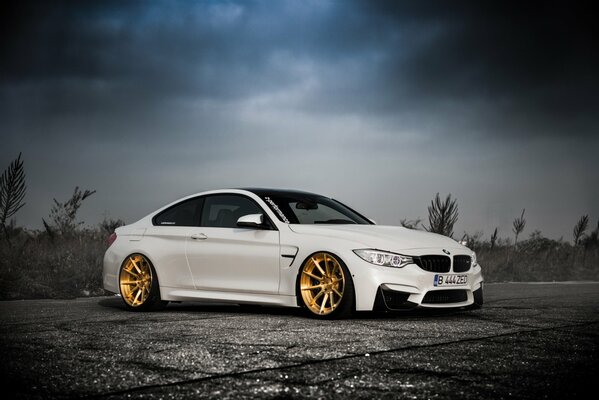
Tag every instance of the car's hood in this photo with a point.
(391, 238)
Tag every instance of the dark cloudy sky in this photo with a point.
(380, 104)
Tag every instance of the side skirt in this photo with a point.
(177, 294)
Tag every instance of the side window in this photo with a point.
(186, 213)
(223, 211)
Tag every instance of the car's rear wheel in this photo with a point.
(326, 286)
(138, 284)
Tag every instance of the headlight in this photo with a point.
(384, 258)
(473, 259)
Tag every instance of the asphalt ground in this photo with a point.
(529, 341)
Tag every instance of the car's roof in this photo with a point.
(280, 192)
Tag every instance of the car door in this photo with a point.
(167, 238)
(225, 257)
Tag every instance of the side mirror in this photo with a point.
(251, 221)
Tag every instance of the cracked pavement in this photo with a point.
(529, 341)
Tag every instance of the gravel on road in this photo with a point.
(528, 341)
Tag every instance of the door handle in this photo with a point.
(199, 236)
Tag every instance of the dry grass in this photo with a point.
(37, 266)
(537, 259)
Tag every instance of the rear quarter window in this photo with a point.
(186, 213)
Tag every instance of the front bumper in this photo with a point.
(387, 299)
(410, 287)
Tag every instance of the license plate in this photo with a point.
(450, 280)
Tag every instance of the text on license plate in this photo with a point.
(450, 280)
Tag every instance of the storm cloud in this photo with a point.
(381, 104)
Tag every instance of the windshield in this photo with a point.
(312, 209)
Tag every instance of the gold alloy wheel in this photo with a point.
(136, 280)
(322, 283)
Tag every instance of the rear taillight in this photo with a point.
(111, 239)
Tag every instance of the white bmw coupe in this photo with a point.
(287, 248)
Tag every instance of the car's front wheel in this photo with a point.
(138, 284)
(326, 286)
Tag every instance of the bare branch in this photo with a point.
(518, 226)
(410, 223)
(108, 225)
(49, 229)
(64, 215)
(12, 192)
(580, 229)
(494, 238)
(442, 215)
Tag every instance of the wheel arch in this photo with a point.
(299, 272)
(148, 257)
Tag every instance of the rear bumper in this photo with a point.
(110, 270)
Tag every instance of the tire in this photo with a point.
(325, 287)
(138, 284)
